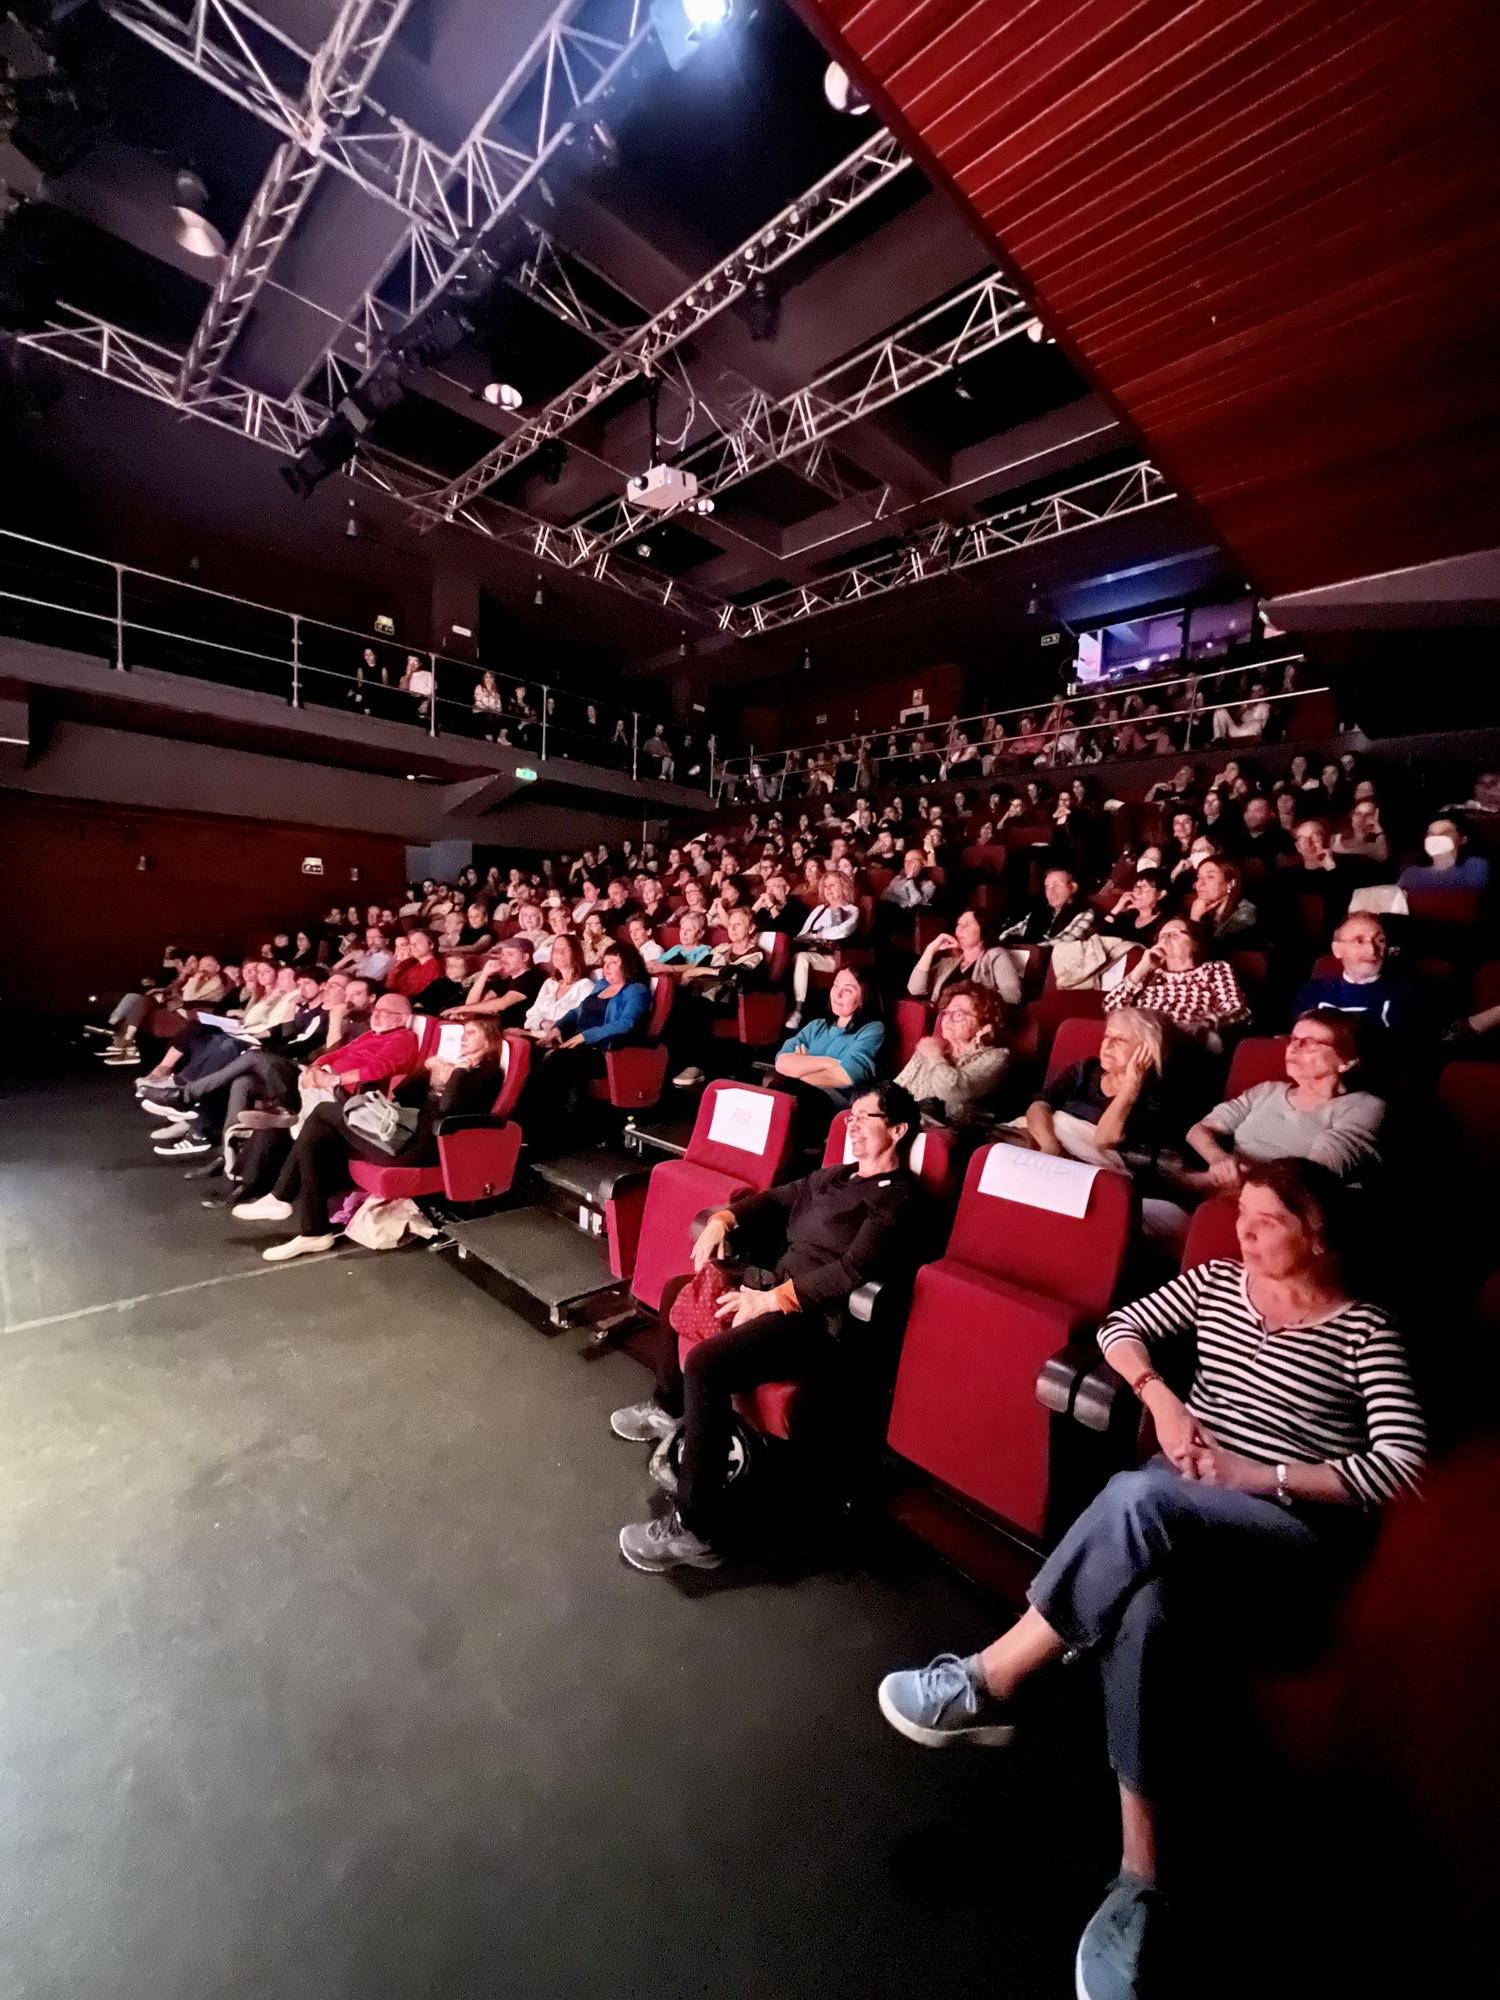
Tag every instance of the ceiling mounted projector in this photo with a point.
(662, 488)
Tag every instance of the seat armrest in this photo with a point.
(472, 1122)
(1057, 1384)
(864, 1299)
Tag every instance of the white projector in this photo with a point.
(662, 488)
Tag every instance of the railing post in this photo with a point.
(120, 666)
(296, 660)
(546, 694)
(635, 743)
(432, 704)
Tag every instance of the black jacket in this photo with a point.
(841, 1228)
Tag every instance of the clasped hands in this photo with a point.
(1194, 1453)
(741, 1302)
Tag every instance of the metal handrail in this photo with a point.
(740, 765)
(1075, 729)
(301, 670)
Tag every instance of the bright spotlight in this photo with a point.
(841, 93)
(683, 26)
(504, 395)
(705, 14)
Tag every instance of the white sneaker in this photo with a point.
(685, 1079)
(267, 1209)
(154, 1108)
(794, 1021)
(300, 1246)
(120, 1059)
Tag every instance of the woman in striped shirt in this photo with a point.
(1300, 1423)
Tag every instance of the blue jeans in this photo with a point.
(1157, 1566)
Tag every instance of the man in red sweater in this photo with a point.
(388, 1049)
(415, 974)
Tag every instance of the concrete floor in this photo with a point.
(320, 1674)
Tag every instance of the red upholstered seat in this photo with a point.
(1212, 1233)
(913, 1021)
(1469, 1093)
(476, 1157)
(1077, 1040)
(1017, 1283)
(1257, 1059)
(709, 1175)
(633, 1077)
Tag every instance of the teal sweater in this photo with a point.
(855, 1050)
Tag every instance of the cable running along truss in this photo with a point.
(872, 167)
(943, 549)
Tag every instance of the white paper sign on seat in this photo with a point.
(742, 1119)
(1038, 1180)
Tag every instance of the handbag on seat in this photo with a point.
(693, 1313)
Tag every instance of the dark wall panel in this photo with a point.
(88, 919)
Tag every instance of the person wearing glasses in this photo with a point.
(799, 1250)
(955, 1069)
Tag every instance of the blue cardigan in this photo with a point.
(853, 1049)
(604, 1022)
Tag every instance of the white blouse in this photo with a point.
(554, 1001)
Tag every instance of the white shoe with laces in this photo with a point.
(300, 1246)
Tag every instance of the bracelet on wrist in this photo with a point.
(1143, 1382)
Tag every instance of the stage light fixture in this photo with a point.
(501, 395)
(192, 228)
(842, 94)
(539, 596)
(551, 457)
(682, 26)
(763, 308)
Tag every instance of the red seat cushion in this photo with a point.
(965, 1407)
(396, 1183)
(678, 1189)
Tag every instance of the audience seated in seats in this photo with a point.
(692, 948)
(798, 1251)
(1199, 995)
(1362, 986)
(594, 938)
(913, 888)
(711, 991)
(568, 983)
(1362, 836)
(612, 1015)
(1318, 872)
(1262, 839)
(1061, 914)
(955, 1070)
(1447, 866)
(830, 921)
(199, 982)
(506, 984)
(1108, 1105)
(317, 1165)
(1312, 1116)
(963, 954)
(1140, 911)
(1219, 902)
(1299, 1423)
(824, 1062)
(638, 932)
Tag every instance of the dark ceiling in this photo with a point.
(1270, 232)
(692, 162)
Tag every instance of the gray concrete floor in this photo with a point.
(320, 1674)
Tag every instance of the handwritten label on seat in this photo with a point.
(450, 1041)
(742, 1119)
(1037, 1180)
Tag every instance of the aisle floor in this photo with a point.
(322, 1675)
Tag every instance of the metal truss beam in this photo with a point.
(870, 168)
(943, 549)
(336, 83)
(149, 369)
(796, 429)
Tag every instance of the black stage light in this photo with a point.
(551, 457)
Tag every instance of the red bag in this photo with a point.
(692, 1315)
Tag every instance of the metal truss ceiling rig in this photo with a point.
(944, 548)
(152, 370)
(796, 429)
(335, 89)
(870, 168)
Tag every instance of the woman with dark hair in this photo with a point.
(1140, 911)
(1200, 995)
(1297, 1424)
(573, 1050)
(1219, 901)
(825, 1062)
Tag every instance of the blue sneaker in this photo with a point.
(945, 1702)
(1119, 1954)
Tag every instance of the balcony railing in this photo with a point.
(135, 618)
(1193, 700)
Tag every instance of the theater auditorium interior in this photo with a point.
(750, 794)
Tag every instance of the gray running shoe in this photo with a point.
(1120, 1952)
(666, 1544)
(642, 1423)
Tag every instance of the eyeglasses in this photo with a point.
(865, 1118)
(1309, 1042)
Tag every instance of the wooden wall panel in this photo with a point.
(81, 917)
(1270, 233)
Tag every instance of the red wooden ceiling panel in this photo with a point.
(1268, 229)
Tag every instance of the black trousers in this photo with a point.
(318, 1164)
(774, 1347)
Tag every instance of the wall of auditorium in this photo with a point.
(96, 891)
(844, 708)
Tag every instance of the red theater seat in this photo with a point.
(633, 1077)
(1018, 1282)
(736, 1147)
(1076, 1040)
(476, 1156)
(1257, 1059)
(1211, 1233)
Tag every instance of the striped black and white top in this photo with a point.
(1337, 1392)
